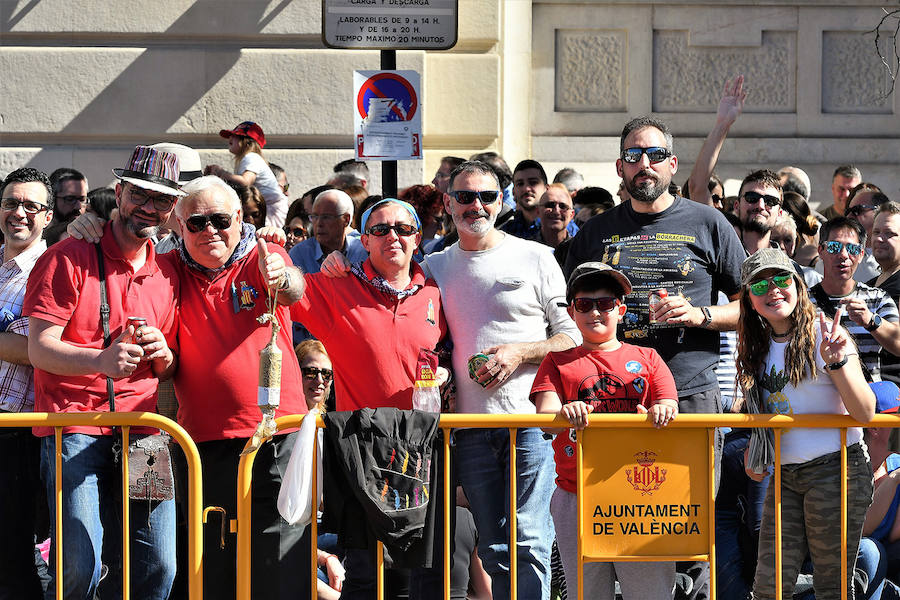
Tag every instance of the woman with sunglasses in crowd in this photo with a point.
(793, 361)
(315, 366)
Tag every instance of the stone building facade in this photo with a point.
(82, 82)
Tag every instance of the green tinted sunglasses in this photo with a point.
(761, 287)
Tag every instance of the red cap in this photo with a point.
(247, 129)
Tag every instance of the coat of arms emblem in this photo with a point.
(644, 476)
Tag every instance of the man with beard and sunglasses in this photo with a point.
(503, 297)
(71, 366)
(690, 250)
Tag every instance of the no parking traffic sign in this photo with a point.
(387, 115)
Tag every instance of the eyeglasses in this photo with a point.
(755, 197)
(604, 304)
(468, 196)
(73, 199)
(313, 372)
(835, 247)
(219, 221)
(31, 208)
(855, 211)
(654, 154)
(286, 187)
(559, 205)
(161, 203)
(761, 287)
(314, 217)
(295, 231)
(402, 229)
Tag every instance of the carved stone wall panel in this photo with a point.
(689, 79)
(853, 78)
(590, 70)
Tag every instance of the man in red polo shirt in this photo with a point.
(66, 347)
(380, 325)
(226, 278)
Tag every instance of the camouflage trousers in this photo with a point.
(811, 521)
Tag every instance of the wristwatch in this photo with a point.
(707, 317)
(837, 365)
(874, 323)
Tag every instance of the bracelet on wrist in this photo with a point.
(837, 365)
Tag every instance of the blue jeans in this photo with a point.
(739, 506)
(92, 515)
(483, 468)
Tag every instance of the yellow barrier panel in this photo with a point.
(705, 423)
(125, 420)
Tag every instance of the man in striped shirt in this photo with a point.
(25, 210)
(870, 315)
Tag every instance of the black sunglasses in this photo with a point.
(295, 231)
(754, 197)
(654, 154)
(219, 221)
(382, 229)
(313, 372)
(468, 196)
(604, 304)
(855, 211)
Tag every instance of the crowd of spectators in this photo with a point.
(515, 293)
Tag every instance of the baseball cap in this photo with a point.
(886, 393)
(247, 129)
(588, 270)
(762, 260)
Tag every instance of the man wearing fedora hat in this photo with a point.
(72, 362)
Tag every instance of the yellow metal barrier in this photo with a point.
(126, 420)
(617, 421)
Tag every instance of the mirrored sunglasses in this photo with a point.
(835, 247)
(382, 229)
(604, 304)
(313, 372)
(654, 154)
(219, 221)
(468, 196)
(761, 287)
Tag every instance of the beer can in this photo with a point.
(137, 323)
(476, 361)
(654, 298)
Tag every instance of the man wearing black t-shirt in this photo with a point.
(689, 250)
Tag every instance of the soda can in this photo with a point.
(137, 323)
(476, 361)
(654, 298)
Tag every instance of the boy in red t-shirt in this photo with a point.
(603, 375)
